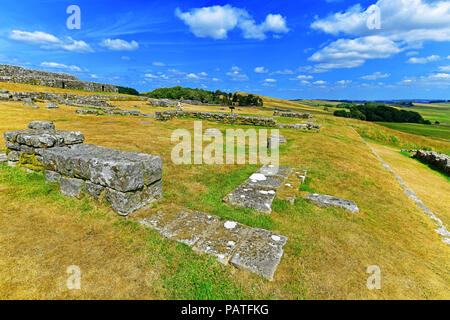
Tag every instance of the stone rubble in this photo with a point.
(127, 180)
(277, 113)
(440, 161)
(256, 250)
(260, 189)
(218, 117)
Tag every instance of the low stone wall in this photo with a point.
(127, 180)
(25, 147)
(300, 126)
(218, 117)
(440, 161)
(292, 115)
(17, 74)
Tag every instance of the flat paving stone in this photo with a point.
(223, 240)
(253, 197)
(190, 228)
(161, 220)
(260, 253)
(330, 201)
(261, 180)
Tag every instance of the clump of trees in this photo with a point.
(204, 96)
(404, 104)
(371, 111)
(125, 90)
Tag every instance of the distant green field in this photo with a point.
(433, 112)
(434, 131)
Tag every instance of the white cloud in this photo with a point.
(56, 65)
(119, 45)
(347, 53)
(151, 76)
(344, 82)
(444, 68)
(270, 80)
(49, 41)
(216, 21)
(303, 77)
(320, 82)
(376, 76)
(285, 71)
(159, 64)
(404, 24)
(261, 70)
(192, 76)
(424, 60)
(203, 74)
(236, 75)
(125, 58)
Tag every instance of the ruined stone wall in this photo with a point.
(292, 115)
(218, 117)
(440, 161)
(50, 79)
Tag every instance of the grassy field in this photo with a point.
(326, 256)
(435, 131)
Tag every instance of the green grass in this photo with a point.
(186, 276)
(433, 131)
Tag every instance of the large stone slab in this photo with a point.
(260, 253)
(71, 187)
(330, 201)
(253, 197)
(191, 228)
(223, 240)
(162, 220)
(118, 170)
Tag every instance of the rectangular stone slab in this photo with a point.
(223, 240)
(191, 228)
(253, 197)
(260, 253)
(162, 220)
(261, 180)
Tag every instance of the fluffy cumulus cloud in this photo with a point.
(216, 21)
(404, 24)
(119, 45)
(49, 41)
(55, 65)
(235, 74)
(351, 53)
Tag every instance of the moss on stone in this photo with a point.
(30, 161)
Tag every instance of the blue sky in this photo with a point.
(333, 49)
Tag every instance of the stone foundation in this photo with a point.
(440, 161)
(292, 115)
(218, 117)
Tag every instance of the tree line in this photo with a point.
(205, 96)
(372, 111)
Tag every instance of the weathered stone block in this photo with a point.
(260, 253)
(162, 220)
(13, 156)
(253, 197)
(125, 203)
(71, 187)
(191, 228)
(41, 125)
(223, 240)
(94, 190)
(52, 176)
(52, 105)
(327, 201)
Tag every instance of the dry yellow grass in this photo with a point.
(328, 250)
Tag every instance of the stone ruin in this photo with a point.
(17, 74)
(256, 250)
(440, 161)
(292, 115)
(261, 188)
(218, 117)
(127, 180)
